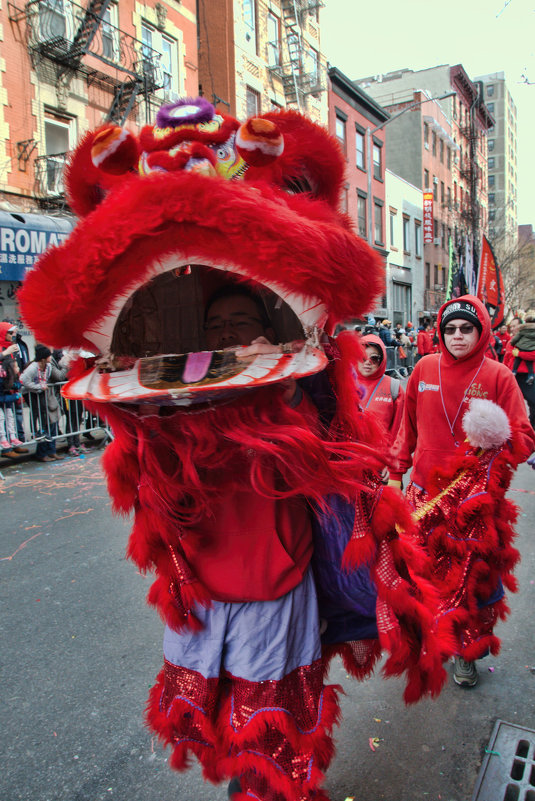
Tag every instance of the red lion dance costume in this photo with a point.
(226, 479)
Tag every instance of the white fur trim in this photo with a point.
(485, 424)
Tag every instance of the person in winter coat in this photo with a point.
(522, 373)
(386, 334)
(10, 445)
(424, 342)
(44, 404)
(438, 394)
(382, 395)
(523, 340)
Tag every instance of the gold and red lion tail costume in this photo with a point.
(196, 202)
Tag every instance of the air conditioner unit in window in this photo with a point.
(438, 287)
(435, 179)
(436, 241)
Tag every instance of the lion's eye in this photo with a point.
(298, 186)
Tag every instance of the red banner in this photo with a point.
(490, 287)
(429, 226)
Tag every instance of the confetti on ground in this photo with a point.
(374, 743)
(491, 670)
(494, 753)
(377, 720)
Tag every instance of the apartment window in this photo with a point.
(492, 198)
(274, 40)
(360, 141)
(362, 216)
(55, 20)
(378, 223)
(442, 192)
(311, 63)
(435, 230)
(427, 275)
(448, 158)
(393, 215)
(441, 150)
(435, 188)
(436, 275)
(434, 145)
(340, 129)
(490, 90)
(491, 163)
(252, 102)
(377, 162)
(490, 107)
(344, 200)
(492, 181)
(406, 234)
(492, 214)
(250, 26)
(426, 179)
(448, 197)
(443, 228)
(109, 32)
(160, 61)
(418, 239)
(59, 135)
(426, 136)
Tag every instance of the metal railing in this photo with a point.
(398, 366)
(32, 424)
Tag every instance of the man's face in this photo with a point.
(233, 321)
(371, 363)
(514, 325)
(460, 337)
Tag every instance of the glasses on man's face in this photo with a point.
(374, 359)
(243, 324)
(465, 328)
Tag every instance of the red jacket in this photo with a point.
(438, 393)
(524, 355)
(424, 343)
(377, 394)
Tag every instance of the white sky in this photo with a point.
(485, 36)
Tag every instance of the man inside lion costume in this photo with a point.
(208, 268)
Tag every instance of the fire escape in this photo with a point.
(68, 40)
(301, 72)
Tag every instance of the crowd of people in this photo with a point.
(35, 383)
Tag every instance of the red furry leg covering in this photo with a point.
(277, 734)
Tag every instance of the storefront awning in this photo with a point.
(24, 237)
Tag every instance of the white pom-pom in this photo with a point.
(485, 424)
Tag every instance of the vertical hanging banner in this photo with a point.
(429, 231)
(490, 284)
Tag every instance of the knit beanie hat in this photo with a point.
(42, 352)
(460, 310)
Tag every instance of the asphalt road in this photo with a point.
(80, 650)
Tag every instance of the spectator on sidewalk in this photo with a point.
(44, 405)
(424, 342)
(522, 374)
(10, 444)
(386, 334)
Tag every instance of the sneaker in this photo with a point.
(464, 673)
(16, 442)
(73, 451)
(5, 445)
(234, 788)
(529, 380)
(83, 449)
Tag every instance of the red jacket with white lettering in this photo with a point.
(377, 393)
(438, 393)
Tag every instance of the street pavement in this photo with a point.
(80, 650)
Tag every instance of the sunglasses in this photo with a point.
(465, 328)
(374, 359)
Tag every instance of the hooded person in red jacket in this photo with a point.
(438, 394)
(382, 395)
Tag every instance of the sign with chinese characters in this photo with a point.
(24, 237)
(429, 232)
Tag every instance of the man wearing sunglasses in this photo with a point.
(431, 434)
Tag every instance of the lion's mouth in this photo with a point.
(153, 347)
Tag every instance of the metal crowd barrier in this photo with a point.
(32, 419)
(396, 365)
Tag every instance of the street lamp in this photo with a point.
(369, 139)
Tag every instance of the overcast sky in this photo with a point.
(485, 36)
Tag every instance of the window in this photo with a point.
(160, 62)
(406, 234)
(59, 133)
(492, 181)
(378, 223)
(344, 200)
(492, 214)
(441, 150)
(491, 163)
(362, 216)
(426, 179)
(490, 107)
(443, 229)
(311, 64)
(418, 239)
(401, 301)
(249, 21)
(109, 31)
(252, 102)
(435, 230)
(435, 188)
(436, 275)
(442, 192)
(492, 198)
(360, 141)
(434, 141)
(426, 136)
(55, 20)
(448, 158)
(393, 215)
(490, 90)
(427, 275)
(340, 130)
(377, 162)
(448, 196)
(274, 40)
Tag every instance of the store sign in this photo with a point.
(25, 237)
(429, 231)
